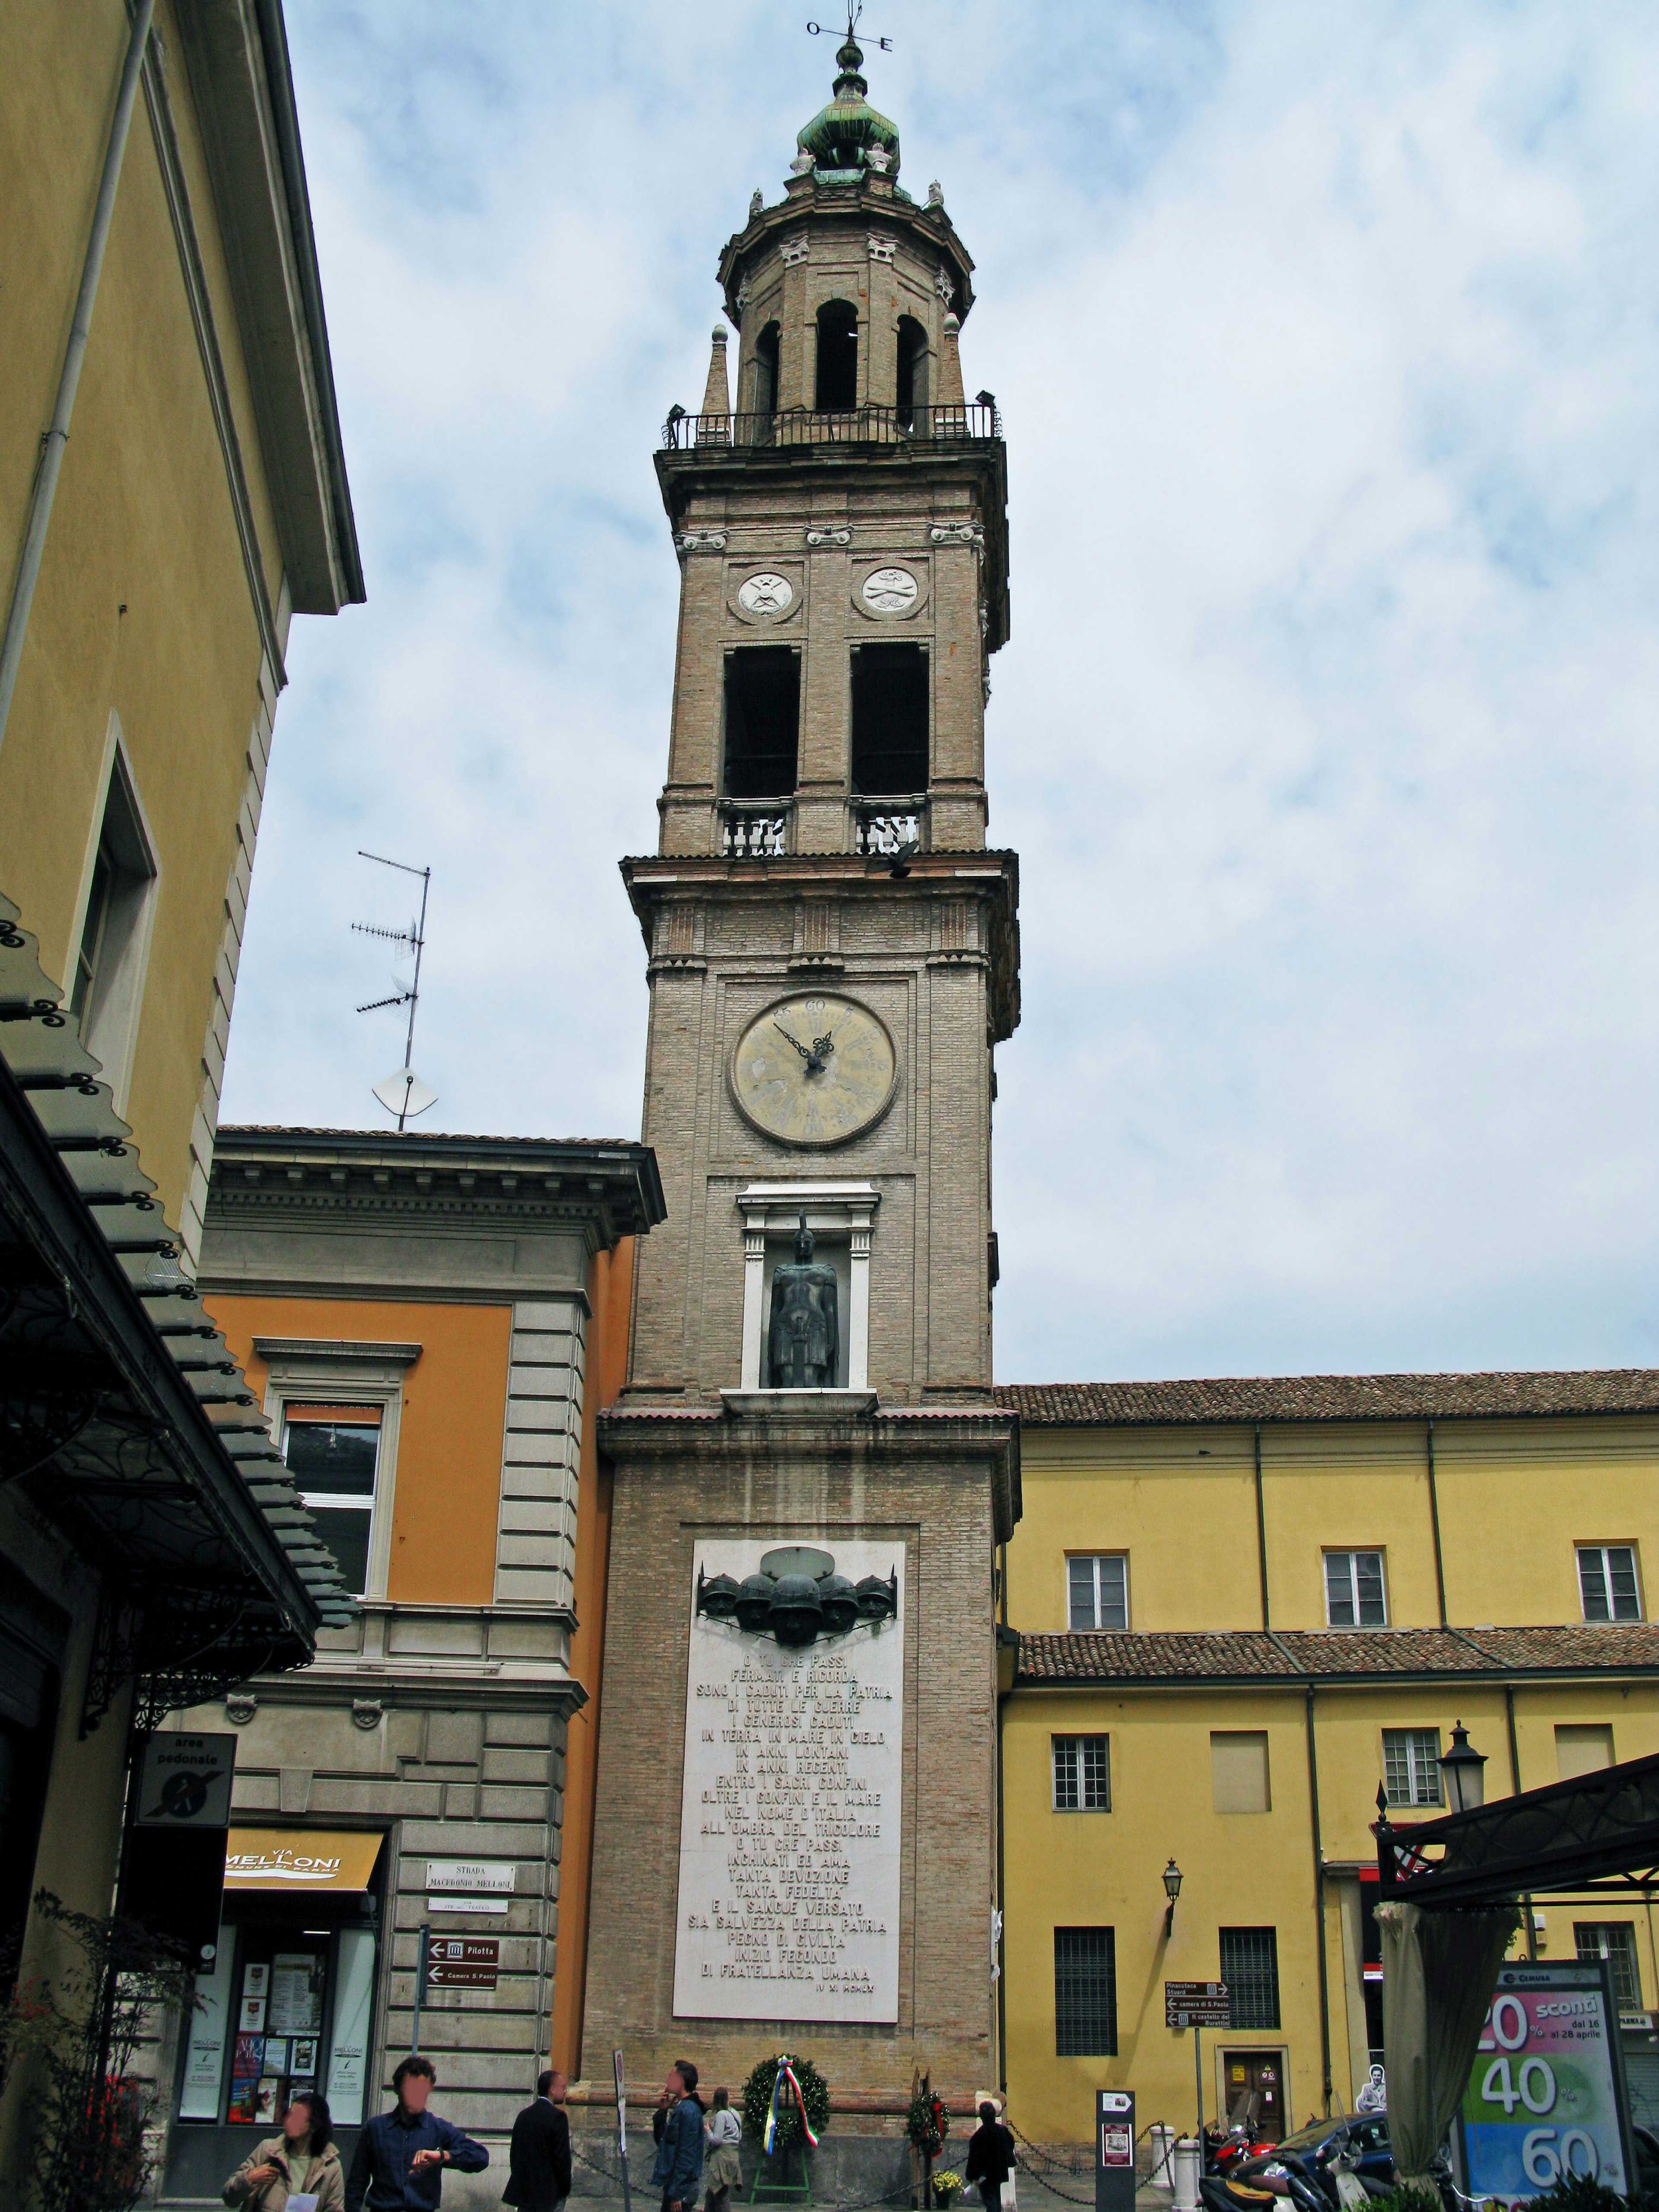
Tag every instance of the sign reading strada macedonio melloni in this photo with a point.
(789, 1823)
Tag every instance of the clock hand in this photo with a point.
(825, 1043)
(796, 1041)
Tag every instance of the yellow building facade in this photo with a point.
(1235, 1611)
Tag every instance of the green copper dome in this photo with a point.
(840, 138)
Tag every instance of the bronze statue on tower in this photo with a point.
(803, 1343)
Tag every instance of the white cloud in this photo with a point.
(1326, 340)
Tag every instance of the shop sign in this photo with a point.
(1546, 2099)
(1197, 2004)
(185, 1782)
(463, 1962)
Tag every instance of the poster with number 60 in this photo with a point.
(1546, 2099)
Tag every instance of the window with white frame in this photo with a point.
(1097, 1591)
(1411, 1766)
(1615, 1942)
(1354, 1593)
(333, 1454)
(1606, 1582)
(1082, 1773)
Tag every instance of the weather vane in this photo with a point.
(402, 1092)
(853, 14)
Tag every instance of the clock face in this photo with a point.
(890, 590)
(765, 595)
(815, 1069)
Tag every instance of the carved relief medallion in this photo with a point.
(890, 590)
(766, 595)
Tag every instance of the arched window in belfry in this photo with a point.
(838, 357)
(766, 371)
(912, 393)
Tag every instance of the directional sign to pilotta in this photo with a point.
(464, 1962)
(1197, 2004)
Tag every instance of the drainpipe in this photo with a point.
(1262, 1533)
(1319, 1903)
(1434, 1516)
(51, 452)
(1515, 1790)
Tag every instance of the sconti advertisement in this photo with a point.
(1546, 2099)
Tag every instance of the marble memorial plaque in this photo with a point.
(790, 1811)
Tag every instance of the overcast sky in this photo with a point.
(1326, 344)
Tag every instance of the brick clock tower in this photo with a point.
(795, 1842)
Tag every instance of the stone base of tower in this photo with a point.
(933, 1492)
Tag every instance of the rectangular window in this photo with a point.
(1583, 1750)
(1250, 1967)
(333, 1453)
(1098, 1590)
(890, 721)
(1353, 1590)
(762, 721)
(1411, 1766)
(1085, 1993)
(1238, 1770)
(1606, 1582)
(1615, 1942)
(1083, 1774)
(107, 984)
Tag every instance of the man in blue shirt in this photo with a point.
(398, 2164)
(679, 2152)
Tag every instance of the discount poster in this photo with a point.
(1546, 2098)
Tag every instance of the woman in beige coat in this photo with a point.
(300, 2161)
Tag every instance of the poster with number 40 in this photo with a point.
(1546, 2099)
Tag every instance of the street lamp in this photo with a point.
(1172, 1890)
(1465, 1783)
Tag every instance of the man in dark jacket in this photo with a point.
(678, 2170)
(540, 2155)
(990, 2156)
(398, 2164)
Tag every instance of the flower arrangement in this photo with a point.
(760, 2092)
(927, 2123)
(946, 2187)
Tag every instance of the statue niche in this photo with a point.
(803, 1342)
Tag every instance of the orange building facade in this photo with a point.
(429, 1325)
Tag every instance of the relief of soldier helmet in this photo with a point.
(877, 1600)
(840, 1604)
(797, 1610)
(717, 1596)
(754, 1605)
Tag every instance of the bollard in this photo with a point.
(1161, 2140)
(1188, 2165)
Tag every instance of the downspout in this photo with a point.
(1002, 1907)
(1262, 1533)
(1434, 1516)
(1515, 1791)
(57, 437)
(1319, 1903)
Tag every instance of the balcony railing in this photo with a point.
(887, 827)
(753, 828)
(858, 426)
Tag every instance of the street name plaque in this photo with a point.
(1197, 2004)
(790, 1811)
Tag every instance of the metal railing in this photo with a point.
(751, 829)
(857, 426)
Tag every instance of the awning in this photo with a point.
(123, 1416)
(304, 1859)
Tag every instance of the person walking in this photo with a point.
(398, 2164)
(303, 2161)
(678, 2170)
(539, 2157)
(990, 2157)
(722, 2170)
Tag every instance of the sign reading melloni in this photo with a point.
(789, 1819)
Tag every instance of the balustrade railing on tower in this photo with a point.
(858, 426)
(751, 829)
(886, 827)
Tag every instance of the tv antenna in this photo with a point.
(402, 1092)
(855, 12)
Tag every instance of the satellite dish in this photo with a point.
(403, 1093)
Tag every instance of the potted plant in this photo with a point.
(946, 2187)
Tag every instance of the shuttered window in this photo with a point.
(1238, 1770)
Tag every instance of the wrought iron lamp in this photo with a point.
(1172, 1890)
(1463, 1768)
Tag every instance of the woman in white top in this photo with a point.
(721, 2169)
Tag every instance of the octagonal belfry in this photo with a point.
(794, 1837)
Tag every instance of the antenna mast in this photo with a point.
(402, 1092)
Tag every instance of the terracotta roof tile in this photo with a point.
(1333, 1398)
(1291, 1655)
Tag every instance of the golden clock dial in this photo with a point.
(815, 1069)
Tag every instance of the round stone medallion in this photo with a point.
(890, 591)
(765, 595)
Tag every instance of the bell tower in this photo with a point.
(833, 958)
